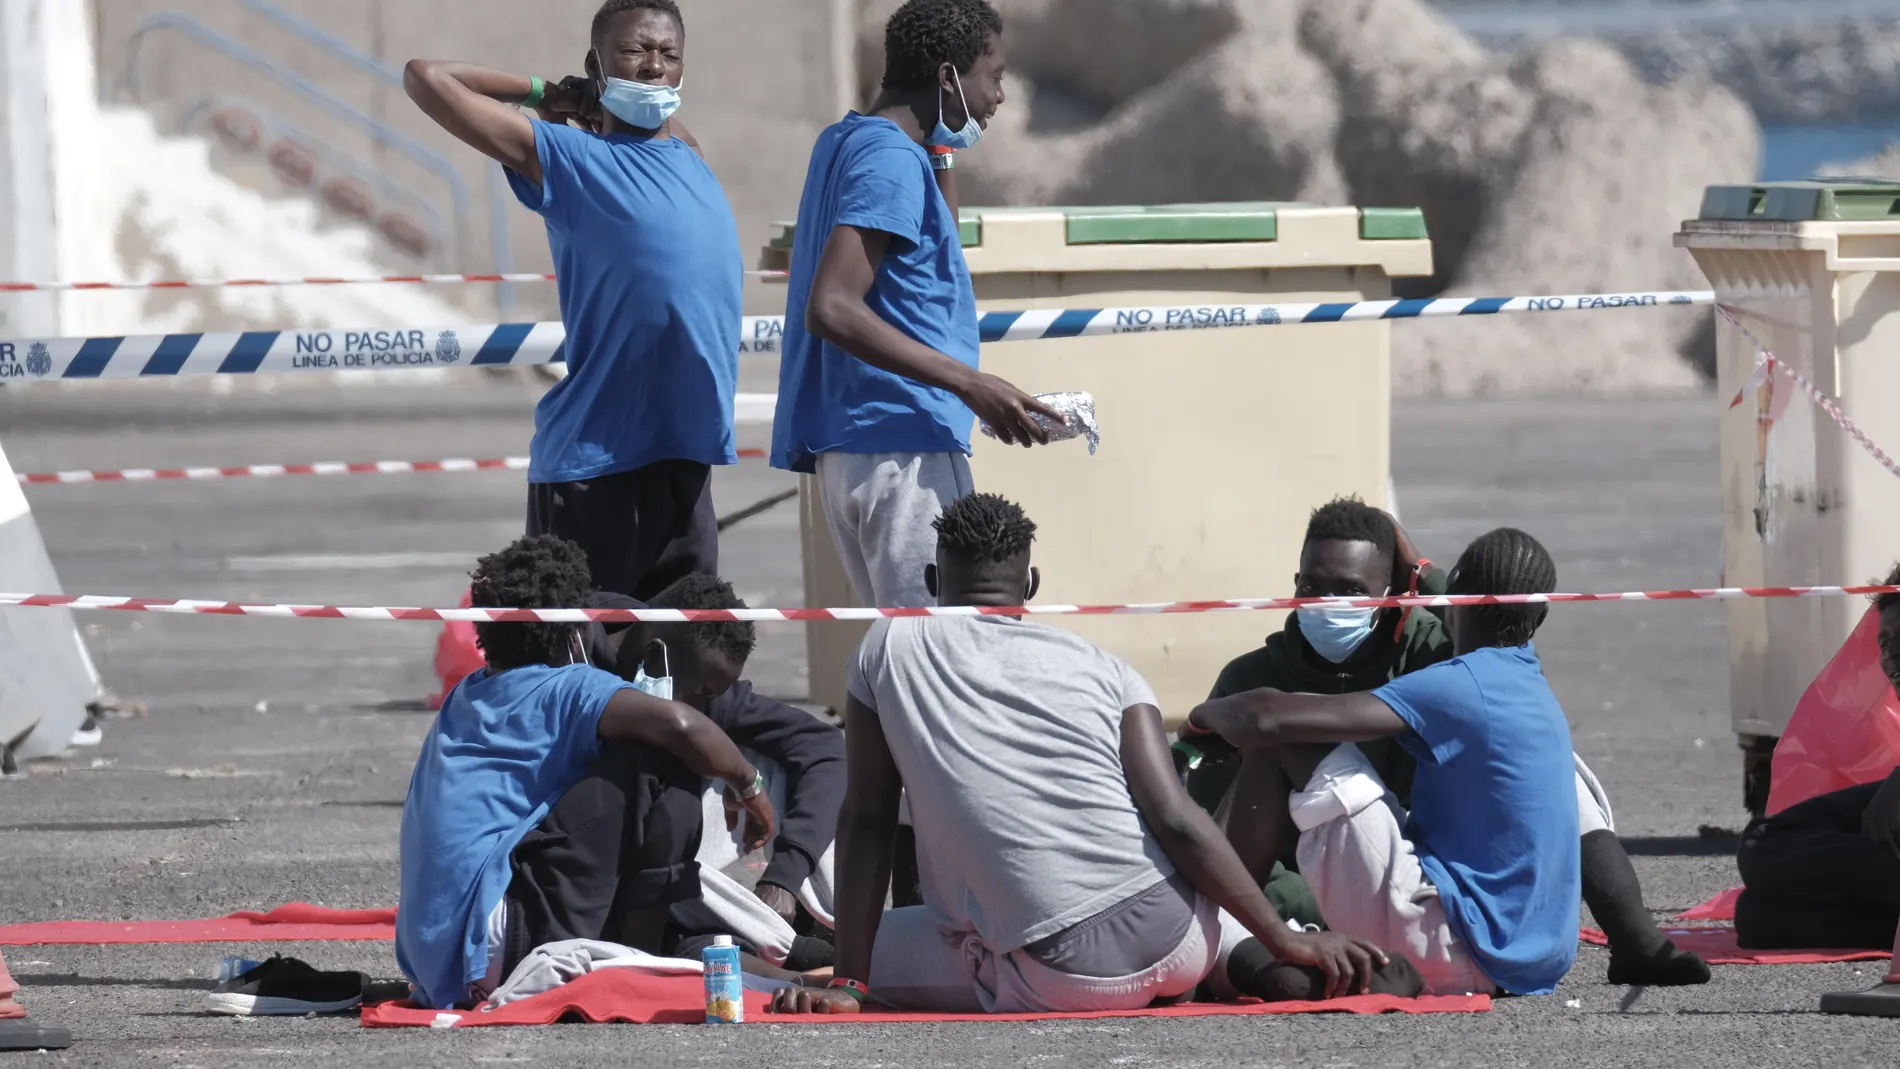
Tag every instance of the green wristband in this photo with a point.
(537, 92)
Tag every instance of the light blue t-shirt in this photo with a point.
(867, 173)
(1494, 810)
(647, 254)
(502, 751)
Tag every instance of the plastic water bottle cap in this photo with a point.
(722, 940)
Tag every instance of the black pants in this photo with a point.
(641, 529)
(620, 842)
(1812, 880)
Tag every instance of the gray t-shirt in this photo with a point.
(1008, 737)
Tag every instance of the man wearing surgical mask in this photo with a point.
(878, 380)
(647, 254)
(1353, 550)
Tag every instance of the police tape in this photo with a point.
(1767, 363)
(277, 471)
(319, 280)
(520, 344)
(665, 616)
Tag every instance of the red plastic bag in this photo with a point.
(456, 655)
(1846, 728)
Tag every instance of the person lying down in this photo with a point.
(1063, 865)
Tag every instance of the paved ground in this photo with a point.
(274, 761)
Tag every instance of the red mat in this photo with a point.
(295, 922)
(1719, 908)
(1718, 947)
(631, 997)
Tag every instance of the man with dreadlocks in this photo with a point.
(1064, 865)
(1354, 550)
(1479, 884)
(878, 380)
(551, 800)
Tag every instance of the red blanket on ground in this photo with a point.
(1719, 908)
(631, 997)
(295, 922)
(1718, 947)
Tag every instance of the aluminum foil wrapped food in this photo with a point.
(1077, 409)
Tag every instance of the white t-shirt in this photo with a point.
(1008, 738)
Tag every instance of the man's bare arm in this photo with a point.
(867, 833)
(476, 105)
(836, 312)
(1266, 717)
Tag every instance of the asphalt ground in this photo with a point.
(273, 762)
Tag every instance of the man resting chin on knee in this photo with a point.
(1064, 866)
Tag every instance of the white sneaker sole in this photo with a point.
(232, 1004)
(87, 738)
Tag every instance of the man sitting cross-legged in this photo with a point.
(1479, 884)
(551, 800)
(1064, 865)
(1354, 550)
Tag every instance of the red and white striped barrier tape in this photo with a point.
(1767, 362)
(673, 616)
(276, 471)
(231, 283)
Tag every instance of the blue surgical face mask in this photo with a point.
(1336, 633)
(642, 105)
(945, 137)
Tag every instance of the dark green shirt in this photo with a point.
(1287, 662)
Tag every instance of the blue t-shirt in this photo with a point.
(647, 254)
(866, 173)
(502, 751)
(1494, 810)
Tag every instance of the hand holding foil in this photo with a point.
(1009, 415)
(1075, 414)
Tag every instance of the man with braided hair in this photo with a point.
(551, 800)
(1354, 550)
(1479, 883)
(1064, 865)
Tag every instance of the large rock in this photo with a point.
(1814, 70)
(1556, 170)
(1607, 168)
(1217, 130)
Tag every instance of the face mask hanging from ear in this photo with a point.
(641, 105)
(656, 660)
(943, 136)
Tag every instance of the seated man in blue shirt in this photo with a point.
(878, 379)
(1479, 884)
(647, 255)
(551, 800)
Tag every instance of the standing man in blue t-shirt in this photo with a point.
(1479, 884)
(647, 254)
(878, 380)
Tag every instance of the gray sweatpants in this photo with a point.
(880, 507)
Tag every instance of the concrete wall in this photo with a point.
(763, 77)
(28, 234)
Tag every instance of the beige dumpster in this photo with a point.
(1215, 443)
(1813, 270)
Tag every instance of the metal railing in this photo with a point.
(382, 133)
(495, 182)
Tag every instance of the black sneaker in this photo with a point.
(284, 987)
